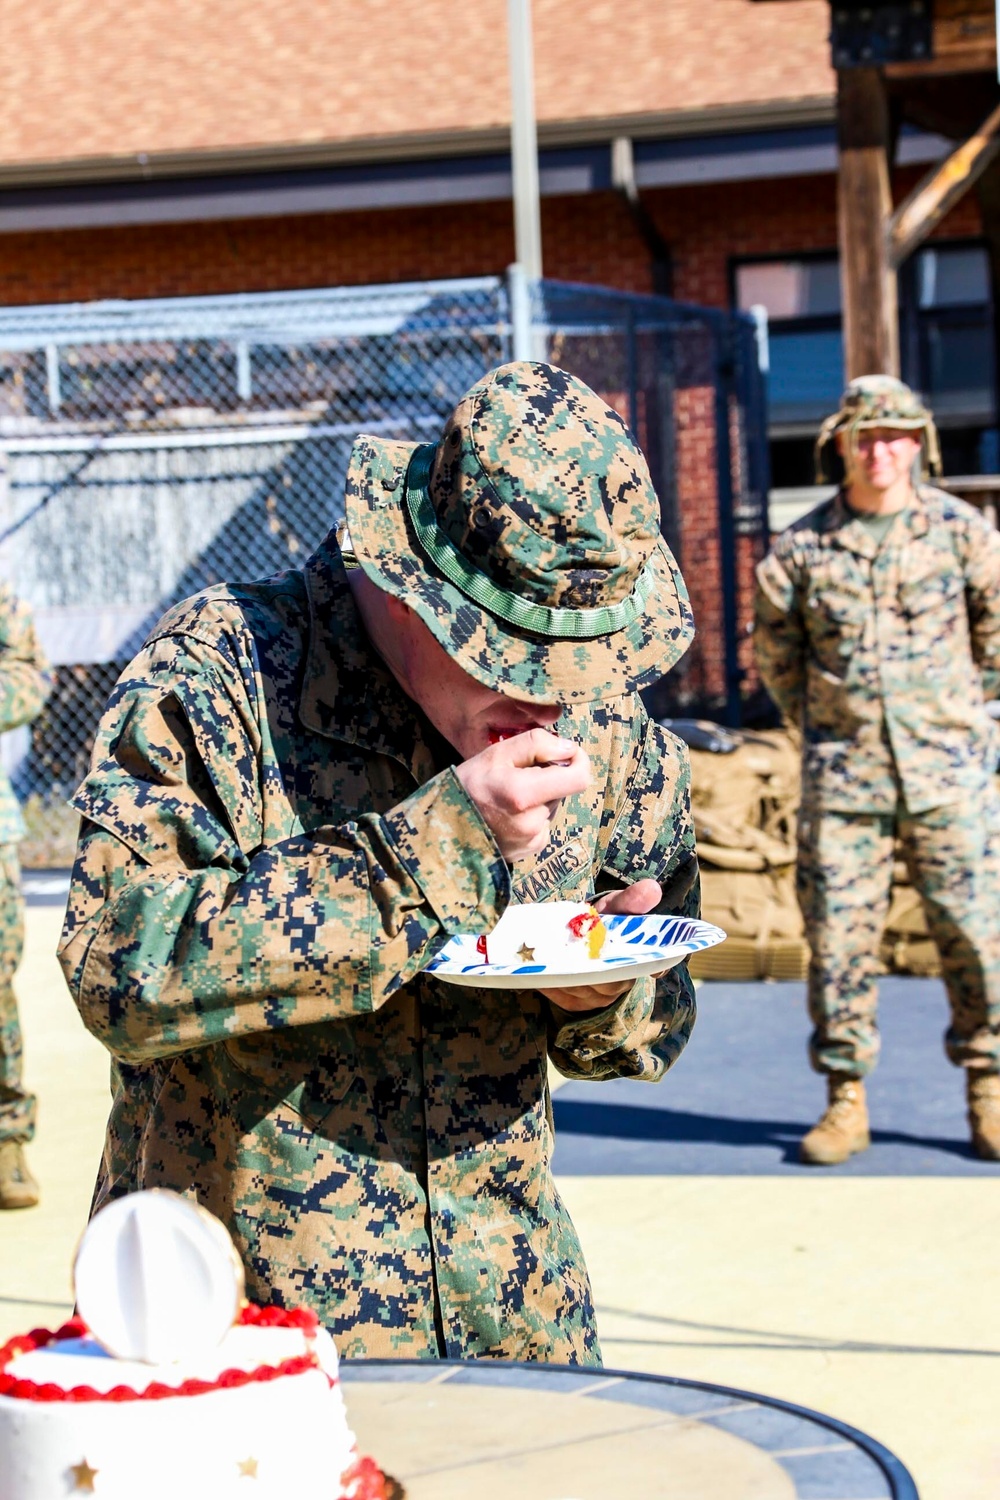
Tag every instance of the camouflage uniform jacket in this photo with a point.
(884, 655)
(271, 853)
(24, 687)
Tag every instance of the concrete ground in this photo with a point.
(868, 1292)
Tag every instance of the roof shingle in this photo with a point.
(94, 79)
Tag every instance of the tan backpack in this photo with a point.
(744, 802)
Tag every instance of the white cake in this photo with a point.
(265, 1406)
(565, 935)
(175, 1388)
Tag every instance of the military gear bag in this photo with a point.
(745, 794)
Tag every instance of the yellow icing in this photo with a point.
(595, 939)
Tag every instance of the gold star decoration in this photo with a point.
(83, 1476)
(247, 1468)
(526, 954)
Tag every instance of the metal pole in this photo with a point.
(52, 382)
(519, 298)
(524, 141)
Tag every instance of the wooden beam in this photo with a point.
(963, 41)
(864, 202)
(988, 193)
(942, 187)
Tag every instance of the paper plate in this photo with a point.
(635, 946)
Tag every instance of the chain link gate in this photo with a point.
(151, 449)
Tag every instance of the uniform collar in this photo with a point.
(845, 530)
(348, 693)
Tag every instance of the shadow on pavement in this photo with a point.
(634, 1123)
(765, 1338)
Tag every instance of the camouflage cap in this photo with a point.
(527, 540)
(879, 401)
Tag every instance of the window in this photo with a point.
(946, 350)
(801, 300)
(946, 331)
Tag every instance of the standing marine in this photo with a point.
(303, 787)
(878, 636)
(24, 687)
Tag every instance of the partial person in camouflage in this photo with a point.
(24, 687)
(303, 787)
(878, 637)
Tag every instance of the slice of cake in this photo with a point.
(259, 1414)
(564, 935)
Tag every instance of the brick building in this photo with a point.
(176, 149)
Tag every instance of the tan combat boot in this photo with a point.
(18, 1189)
(843, 1130)
(983, 1093)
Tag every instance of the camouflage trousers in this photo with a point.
(17, 1107)
(844, 880)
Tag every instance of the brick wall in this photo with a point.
(590, 239)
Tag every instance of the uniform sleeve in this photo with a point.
(184, 928)
(982, 592)
(779, 637)
(25, 681)
(644, 1033)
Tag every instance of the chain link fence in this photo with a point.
(151, 449)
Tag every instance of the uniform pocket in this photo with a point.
(933, 592)
(838, 602)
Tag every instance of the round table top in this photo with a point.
(452, 1430)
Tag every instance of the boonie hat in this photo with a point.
(527, 540)
(878, 401)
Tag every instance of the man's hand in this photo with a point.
(636, 900)
(519, 783)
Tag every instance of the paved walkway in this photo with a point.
(869, 1293)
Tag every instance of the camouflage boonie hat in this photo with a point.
(527, 540)
(878, 401)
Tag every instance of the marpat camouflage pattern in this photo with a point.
(844, 876)
(882, 657)
(24, 686)
(527, 540)
(274, 846)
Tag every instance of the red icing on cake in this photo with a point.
(364, 1480)
(250, 1316)
(585, 922)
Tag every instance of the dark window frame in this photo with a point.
(914, 321)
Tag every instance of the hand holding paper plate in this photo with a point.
(534, 945)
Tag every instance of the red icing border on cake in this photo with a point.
(364, 1480)
(250, 1316)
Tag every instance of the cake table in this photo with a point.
(496, 1431)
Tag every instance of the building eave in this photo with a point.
(413, 146)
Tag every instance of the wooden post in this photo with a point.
(988, 193)
(864, 202)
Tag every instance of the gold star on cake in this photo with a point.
(526, 954)
(247, 1468)
(83, 1476)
